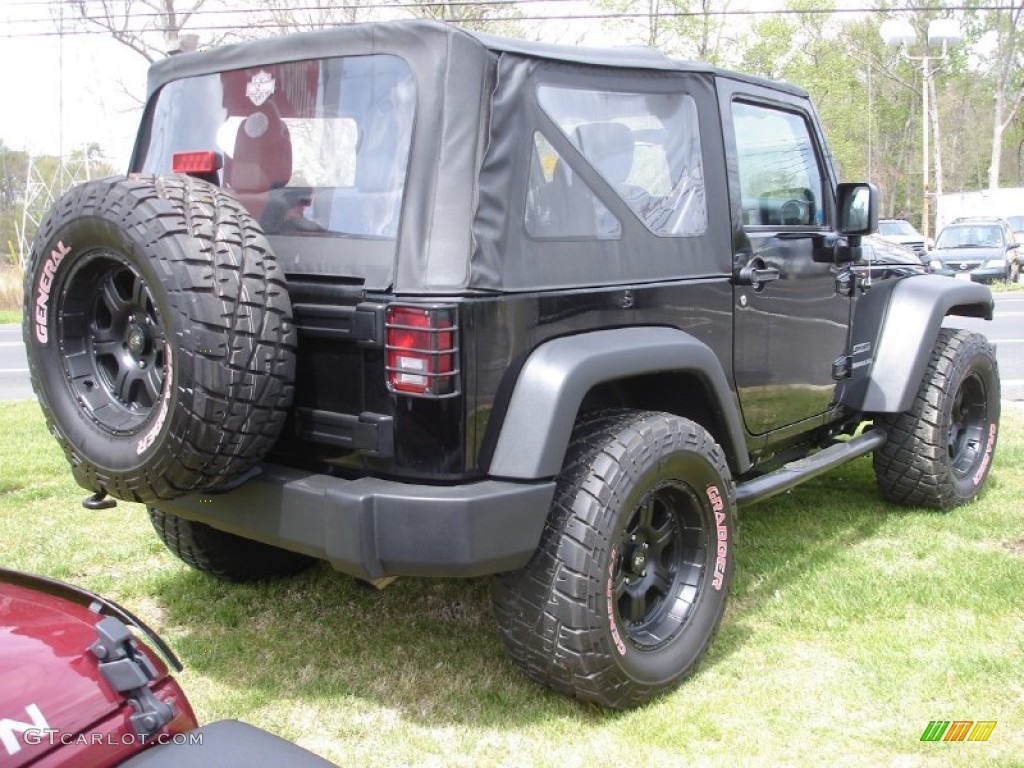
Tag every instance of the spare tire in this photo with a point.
(159, 335)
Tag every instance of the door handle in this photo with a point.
(756, 274)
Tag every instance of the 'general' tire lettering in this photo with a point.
(43, 290)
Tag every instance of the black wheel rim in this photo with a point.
(661, 561)
(113, 342)
(968, 428)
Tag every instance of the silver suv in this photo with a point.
(903, 233)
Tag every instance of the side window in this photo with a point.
(780, 179)
(559, 204)
(646, 146)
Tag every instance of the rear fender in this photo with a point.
(557, 376)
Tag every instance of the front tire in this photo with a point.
(629, 583)
(939, 453)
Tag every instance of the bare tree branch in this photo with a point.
(150, 28)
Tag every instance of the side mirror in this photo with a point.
(1013, 246)
(858, 210)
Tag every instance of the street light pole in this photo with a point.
(925, 165)
(944, 32)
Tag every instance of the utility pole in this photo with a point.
(944, 32)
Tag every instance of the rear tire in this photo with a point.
(629, 583)
(224, 555)
(939, 453)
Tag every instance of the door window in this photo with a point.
(780, 179)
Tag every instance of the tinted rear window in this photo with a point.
(310, 147)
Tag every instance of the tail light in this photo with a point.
(194, 163)
(422, 350)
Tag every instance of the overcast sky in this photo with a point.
(97, 75)
(94, 107)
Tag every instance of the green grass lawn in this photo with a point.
(852, 624)
(1006, 287)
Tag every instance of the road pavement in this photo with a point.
(1006, 330)
(14, 384)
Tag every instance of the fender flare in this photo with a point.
(558, 374)
(899, 321)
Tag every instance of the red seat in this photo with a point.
(262, 160)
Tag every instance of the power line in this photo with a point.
(125, 17)
(236, 11)
(345, 6)
(282, 25)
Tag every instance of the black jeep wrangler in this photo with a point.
(420, 302)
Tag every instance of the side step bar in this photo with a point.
(796, 472)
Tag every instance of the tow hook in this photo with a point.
(99, 501)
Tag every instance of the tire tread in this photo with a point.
(235, 334)
(223, 555)
(544, 610)
(911, 467)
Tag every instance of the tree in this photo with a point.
(497, 18)
(319, 14)
(704, 30)
(813, 50)
(692, 29)
(29, 185)
(13, 167)
(769, 47)
(1007, 65)
(151, 28)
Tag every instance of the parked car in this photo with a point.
(79, 690)
(881, 259)
(976, 249)
(1017, 225)
(902, 232)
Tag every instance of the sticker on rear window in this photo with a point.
(261, 87)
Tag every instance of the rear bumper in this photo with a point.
(373, 528)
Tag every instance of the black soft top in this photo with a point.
(410, 37)
(459, 230)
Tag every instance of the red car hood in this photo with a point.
(48, 676)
